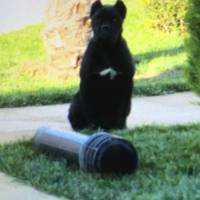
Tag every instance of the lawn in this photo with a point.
(169, 168)
(161, 61)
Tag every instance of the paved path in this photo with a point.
(177, 108)
(16, 123)
(15, 14)
(12, 190)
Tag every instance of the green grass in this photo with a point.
(161, 58)
(19, 46)
(169, 168)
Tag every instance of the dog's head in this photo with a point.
(107, 20)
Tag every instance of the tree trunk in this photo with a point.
(66, 33)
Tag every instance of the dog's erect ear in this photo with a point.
(121, 8)
(95, 6)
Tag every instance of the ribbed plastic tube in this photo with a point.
(101, 152)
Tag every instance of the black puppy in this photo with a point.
(104, 97)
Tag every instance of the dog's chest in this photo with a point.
(108, 80)
(107, 67)
(109, 73)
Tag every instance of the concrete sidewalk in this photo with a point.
(18, 123)
(180, 108)
(12, 190)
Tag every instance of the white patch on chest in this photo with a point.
(109, 71)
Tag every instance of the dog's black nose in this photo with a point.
(105, 27)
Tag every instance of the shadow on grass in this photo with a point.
(167, 82)
(175, 72)
(146, 57)
(170, 81)
(40, 97)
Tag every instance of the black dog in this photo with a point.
(104, 97)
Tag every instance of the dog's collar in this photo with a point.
(109, 71)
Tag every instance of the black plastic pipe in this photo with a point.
(101, 152)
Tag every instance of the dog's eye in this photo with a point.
(98, 20)
(114, 20)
